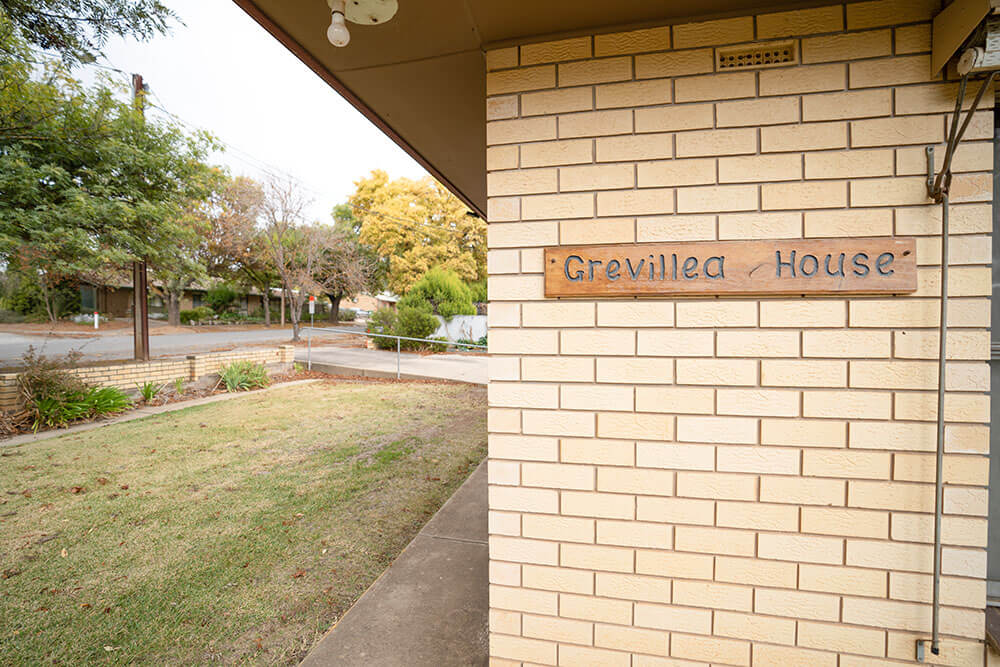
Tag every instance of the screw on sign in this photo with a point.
(312, 310)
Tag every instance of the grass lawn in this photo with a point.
(233, 532)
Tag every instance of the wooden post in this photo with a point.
(282, 306)
(140, 307)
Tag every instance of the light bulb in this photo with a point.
(337, 33)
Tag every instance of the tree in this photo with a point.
(77, 29)
(88, 184)
(440, 292)
(236, 248)
(415, 226)
(351, 267)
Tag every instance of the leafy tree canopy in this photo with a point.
(440, 292)
(416, 225)
(77, 29)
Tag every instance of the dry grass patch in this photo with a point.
(232, 532)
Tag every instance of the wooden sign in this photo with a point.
(881, 265)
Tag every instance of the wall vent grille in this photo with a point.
(757, 56)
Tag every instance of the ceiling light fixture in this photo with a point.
(362, 12)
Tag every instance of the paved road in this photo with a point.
(119, 346)
(461, 367)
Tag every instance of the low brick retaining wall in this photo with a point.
(191, 368)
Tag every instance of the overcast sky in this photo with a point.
(222, 72)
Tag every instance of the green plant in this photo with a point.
(478, 289)
(104, 401)
(440, 292)
(221, 297)
(383, 321)
(149, 390)
(347, 315)
(199, 314)
(414, 323)
(298, 368)
(179, 386)
(244, 376)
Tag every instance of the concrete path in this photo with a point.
(471, 368)
(139, 413)
(431, 606)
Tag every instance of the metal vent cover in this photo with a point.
(757, 56)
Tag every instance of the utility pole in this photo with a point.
(140, 304)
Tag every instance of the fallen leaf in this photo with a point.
(299, 574)
(85, 605)
(64, 553)
(77, 489)
(109, 649)
(123, 487)
(102, 480)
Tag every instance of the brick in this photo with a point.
(757, 344)
(957, 407)
(557, 101)
(505, 209)
(505, 622)
(504, 523)
(678, 400)
(759, 402)
(646, 482)
(876, 13)
(583, 232)
(521, 130)
(634, 94)
(556, 475)
(558, 422)
(716, 372)
(582, 656)
(564, 529)
(795, 196)
(515, 288)
(673, 563)
(773, 111)
(730, 430)
(594, 177)
(953, 651)
(808, 136)
(595, 123)
(857, 465)
(757, 168)
(600, 341)
(675, 343)
(887, 613)
(756, 516)
(932, 98)
(716, 313)
(803, 79)
(630, 639)
(893, 374)
(717, 198)
(803, 432)
(633, 587)
(549, 207)
(519, 550)
(635, 314)
(974, 156)
(969, 345)
(715, 87)
(758, 225)
(676, 228)
(957, 469)
(716, 486)
(840, 106)
(602, 70)
(547, 52)
(801, 548)
(850, 222)
(520, 599)
(516, 499)
(913, 39)
(525, 181)
(548, 153)
(505, 472)
(598, 505)
(902, 556)
(719, 31)
(522, 649)
(556, 629)
(514, 81)
(634, 41)
(850, 164)
(635, 534)
(755, 572)
(797, 604)
(595, 609)
(672, 456)
(499, 108)
(675, 172)
(600, 452)
(897, 131)
(787, 656)
(889, 72)
(501, 58)
(710, 649)
(802, 491)
(717, 142)
(894, 313)
(889, 435)
(914, 587)
(557, 369)
(639, 426)
(799, 22)
(635, 202)
(713, 595)
(634, 370)
(900, 496)
(672, 118)
(628, 148)
(837, 579)
(803, 313)
(753, 627)
(847, 46)
(958, 500)
(590, 557)
(844, 344)
(503, 261)
(674, 63)
(678, 619)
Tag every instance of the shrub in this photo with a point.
(149, 390)
(440, 292)
(199, 314)
(347, 315)
(221, 297)
(383, 321)
(479, 293)
(178, 386)
(244, 376)
(414, 323)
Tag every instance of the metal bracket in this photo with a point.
(922, 645)
(929, 151)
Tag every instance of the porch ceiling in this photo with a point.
(421, 77)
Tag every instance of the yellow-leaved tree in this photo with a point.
(416, 225)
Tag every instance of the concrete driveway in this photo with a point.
(352, 360)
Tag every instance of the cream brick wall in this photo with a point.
(732, 481)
